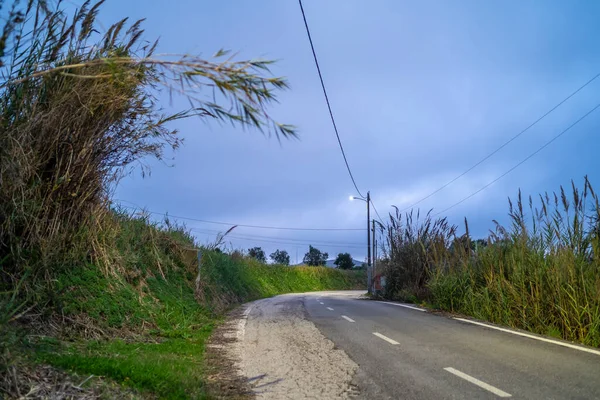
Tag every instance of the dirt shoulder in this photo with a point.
(279, 354)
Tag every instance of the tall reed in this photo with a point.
(542, 273)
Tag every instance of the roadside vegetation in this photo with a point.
(541, 274)
(89, 289)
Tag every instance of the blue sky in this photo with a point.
(421, 90)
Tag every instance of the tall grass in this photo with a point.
(541, 274)
(78, 110)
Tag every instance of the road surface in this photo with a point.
(335, 345)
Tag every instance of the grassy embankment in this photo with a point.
(146, 326)
(541, 274)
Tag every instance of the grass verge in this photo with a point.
(144, 322)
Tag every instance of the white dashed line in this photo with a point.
(321, 302)
(564, 344)
(477, 382)
(348, 319)
(403, 305)
(387, 339)
(330, 309)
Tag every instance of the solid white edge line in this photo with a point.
(387, 339)
(330, 309)
(559, 343)
(477, 382)
(402, 305)
(348, 319)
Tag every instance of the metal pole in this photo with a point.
(370, 272)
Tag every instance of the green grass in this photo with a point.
(228, 280)
(137, 320)
(171, 369)
(149, 301)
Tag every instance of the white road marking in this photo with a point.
(479, 383)
(330, 309)
(247, 310)
(321, 302)
(241, 331)
(564, 344)
(348, 319)
(387, 339)
(403, 305)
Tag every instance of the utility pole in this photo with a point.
(374, 251)
(369, 271)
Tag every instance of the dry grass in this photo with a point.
(78, 110)
(23, 382)
(541, 274)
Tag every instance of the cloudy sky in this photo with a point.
(421, 91)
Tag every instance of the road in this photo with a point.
(406, 353)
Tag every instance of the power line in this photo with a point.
(243, 225)
(377, 212)
(251, 239)
(503, 145)
(522, 161)
(302, 241)
(312, 47)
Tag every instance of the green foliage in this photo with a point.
(258, 254)
(344, 261)
(226, 280)
(541, 274)
(280, 257)
(315, 257)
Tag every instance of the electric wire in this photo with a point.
(312, 47)
(242, 225)
(502, 146)
(521, 162)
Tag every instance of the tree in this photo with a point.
(315, 257)
(258, 254)
(344, 261)
(280, 257)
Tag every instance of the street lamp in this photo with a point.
(369, 272)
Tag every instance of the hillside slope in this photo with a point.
(144, 323)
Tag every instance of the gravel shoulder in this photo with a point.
(283, 355)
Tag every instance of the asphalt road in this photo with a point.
(404, 353)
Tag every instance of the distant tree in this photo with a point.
(257, 253)
(478, 244)
(315, 257)
(280, 257)
(344, 261)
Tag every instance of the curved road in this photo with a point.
(404, 352)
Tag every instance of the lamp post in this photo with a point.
(369, 272)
